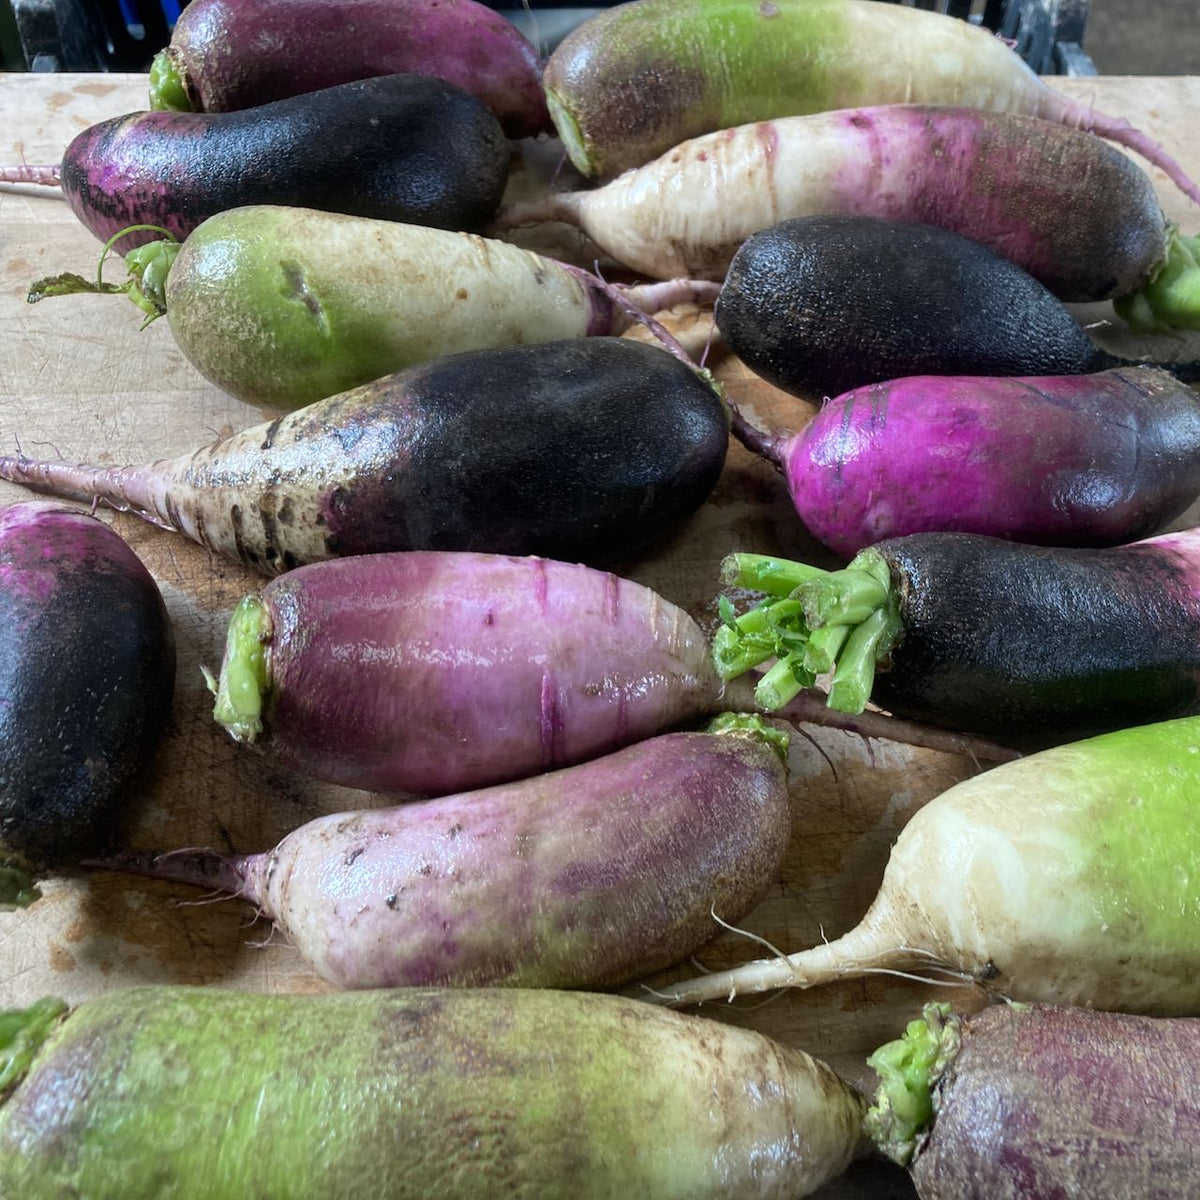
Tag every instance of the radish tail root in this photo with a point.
(44, 175)
(197, 868)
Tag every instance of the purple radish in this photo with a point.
(433, 673)
(87, 668)
(1071, 210)
(399, 147)
(1019, 1101)
(639, 78)
(231, 54)
(585, 877)
(1074, 460)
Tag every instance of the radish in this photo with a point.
(1075, 460)
(435, 672)
(584, 877)
(229, 54)
(1067, 207)
(637, 79)
(284, 306)
(1032, 645)
(1042, 1101)
(1067, 877)
(87, 669)
(210, 1094)
(400, 147)
(583, 449)
(820, 305)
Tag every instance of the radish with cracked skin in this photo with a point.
(284, 306)
(820, 305)
(1073, 211)
(1067, 877)
(585, 877)
(1005, 1103)
(231, 54)
(87, 669)
(206, 1094)
(438, 672)
(1032, 645)
(1071, 460)
(639, 78)
(579, 449)
(398, 147)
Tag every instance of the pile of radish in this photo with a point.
(567, 785)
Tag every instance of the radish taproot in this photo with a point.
(1073, 460)
(398, 147)
(820, 305)
(230, 54)
(284, 306)
(585, 449)
(639, 78)
(1067, 877)
(1031, 645)
(1016, 184)
(1004, 1103)
(585, 877)
(457, 1092)
(87, 669)
(430, 673)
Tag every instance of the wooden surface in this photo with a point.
(78, 379)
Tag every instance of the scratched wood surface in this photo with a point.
(78, 379)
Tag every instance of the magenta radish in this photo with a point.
(87, 670)
(1067, 877)
(285, 306)
(579, 449)
(1074, 460)
(1071, 210)
(585, 877)
(1005, 1103)
(228, 55)
(639, 78)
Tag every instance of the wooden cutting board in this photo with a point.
(78, 379)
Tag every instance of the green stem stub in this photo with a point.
(245, 672)
(751, 725)
(17, 888)
(22, 1032)
(811, 622)
(909, 1070)
(168, 92)
(1171, 300)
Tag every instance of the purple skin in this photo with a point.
(1087, 460)
(1043, 1103)
(585, 877)
(470, 669)
(234, 54)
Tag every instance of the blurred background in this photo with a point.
(1109, 37)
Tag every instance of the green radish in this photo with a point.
(201, 1094)
(285, 306)
(1068, 877)
(641, 77)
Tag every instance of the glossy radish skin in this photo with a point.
(87, 667)
(435, 672)
(400, 147)
(1067, 877)
(1080, 460)
(1065, 206)
(454, 1092)
(232, 54)
(640, 78)
(587, 449)
(585, 877)
(1042, 1101)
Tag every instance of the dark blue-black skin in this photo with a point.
(1037, 646)
(87, 668)
(405, 148)
(819, 305)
